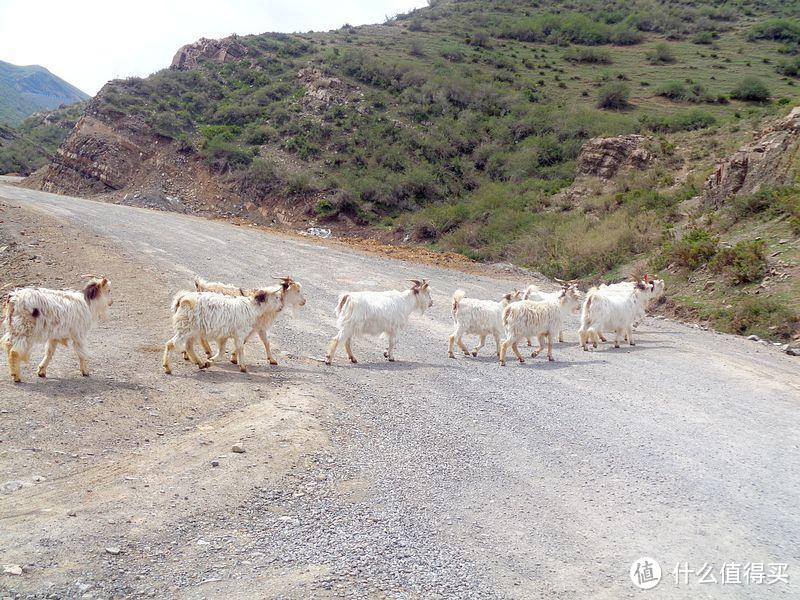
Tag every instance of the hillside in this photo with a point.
(30, 89)
(34, 143)
(461, 126)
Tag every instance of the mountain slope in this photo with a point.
(459, 126)
(29, 89)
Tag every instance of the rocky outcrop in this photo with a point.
(323, 91)
(98, 157)
(605, 157)
(226, 50)
(764, 162)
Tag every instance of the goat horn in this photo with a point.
(416, 282)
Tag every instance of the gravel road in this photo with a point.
(455, 478)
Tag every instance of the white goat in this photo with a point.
(377, 313)
(568, 298)
(291, 296)
(654, 290)
(478, 317)
(526, 319)
(608, 309)
(40, 315)
(216, 316)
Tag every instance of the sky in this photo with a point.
(88, 42)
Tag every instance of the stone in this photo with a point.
(112, 550)
(765, 162)
(188, 57)
(12, 569)
(753, 338)
(214, 463)
(605, 157)
(237, 448)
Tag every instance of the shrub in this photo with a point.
(746, 262)
(762, 316)
(614, 96)
(695, 248)
(588, 56)
(660, 54)
(751, 89)
(782, 30)
(689, 120)
(260, 178)
(681, 92)
(704, 37)
(790, 68)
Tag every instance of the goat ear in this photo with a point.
(424, 283)
(260, 297)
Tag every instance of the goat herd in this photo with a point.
(219, 312)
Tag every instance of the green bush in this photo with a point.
(751, 89)
(790, 67)
(660, 54)
(783, 30)
(565, 28)
(260, 178)
(763, 316)
(689, 120)
(745, 262)
(695, 248)
(591, 56)
(704, 37)
(614, 96)
(682, 92)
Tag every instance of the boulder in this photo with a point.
(764, 162)
(189, 56)
(605, 157)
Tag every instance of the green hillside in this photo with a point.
(456, 126)
(35, 141)
(30, 89)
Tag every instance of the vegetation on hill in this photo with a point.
(457, 125)
(33, 143)
(30, 89)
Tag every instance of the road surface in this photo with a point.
(458, 478)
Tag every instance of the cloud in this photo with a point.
(89, 42)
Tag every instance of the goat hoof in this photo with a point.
(204, 365)
(16, 379)
(85, 373)
(474, 353)
(616, 345)
(503, 364)
(273, 362)
(452, 355)
(234, 361)
(633, 343)
(354, 361)
(551, 359)
(328, 361)
(391, 359)
(243, 369)
(41, 373)
(521, 361)
(168, 371)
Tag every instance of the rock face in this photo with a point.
(323, 91)
(764, 162)
(98, 156)
(225, 50)
(605, 157)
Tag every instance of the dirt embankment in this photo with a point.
(118, 460)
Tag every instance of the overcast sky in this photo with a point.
(88, 42)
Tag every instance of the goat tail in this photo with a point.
(458, 296)
(342, 301)
(181, 301)
(506, 313)
(200, 284)
(587, 315)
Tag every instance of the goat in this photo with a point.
(654, 289)
(607, 309)
(568, 298)
(526, 319)
(291, 295)
(377, 313)
(210, 315)
(40, 315)
(478, 317)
